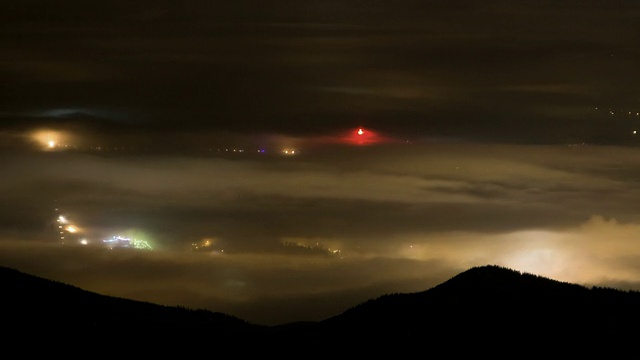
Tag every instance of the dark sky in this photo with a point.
(517, 71)
(495, 132)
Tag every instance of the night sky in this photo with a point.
(223, 136)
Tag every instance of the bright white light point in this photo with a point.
(635, 132)
(52, 143)
(71, 229)
(360, 131)
(84, 242)
(62, 219)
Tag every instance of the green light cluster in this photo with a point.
(140, 244)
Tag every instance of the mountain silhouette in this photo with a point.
(37, 303)
(489, 310)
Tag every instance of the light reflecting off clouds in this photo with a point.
(249, 234)
(287, 161)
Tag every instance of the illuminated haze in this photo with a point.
(225, 137)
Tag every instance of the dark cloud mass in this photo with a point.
(445, 69)
(224, 135)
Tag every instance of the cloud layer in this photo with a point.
(344, 224)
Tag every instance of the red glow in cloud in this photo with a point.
(355, 137)
(362, 136)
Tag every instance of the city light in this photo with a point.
(48, 139)
(65, 229)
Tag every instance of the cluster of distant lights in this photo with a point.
(50, 140)
(52, 145)
(287, 151)
(315, 247)
(116, 241)
(629, 113)
(65, 227)
(206, 245)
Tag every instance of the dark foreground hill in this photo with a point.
(488, 309)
